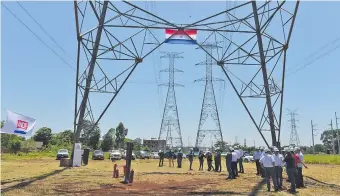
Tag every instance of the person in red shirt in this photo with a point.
(297, 159)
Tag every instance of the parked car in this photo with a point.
(124, 155)
(62, 153)
(155, 155)
(98, 155)
(115, 155)
(248, 158)
(143, 154)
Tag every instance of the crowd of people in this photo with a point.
(269, 164)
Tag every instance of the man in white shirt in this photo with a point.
(263, 173)
(234, 156)
(257, 156)
(268, 163)
(278, 158)
(236, 150)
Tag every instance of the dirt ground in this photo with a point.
(45, 177)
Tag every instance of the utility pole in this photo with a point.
(337, 132)
(332, 136)
(254, 144)
(311, 123)
(245, 142)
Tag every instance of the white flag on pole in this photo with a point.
(18, 124)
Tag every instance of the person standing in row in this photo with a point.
(234, 163)
(278, 158)
(257, 156)
(241, 160)
(268, 163)
(300, 165)
(238, 158)
(161, 158)
(201, 160)
(191, 157)
(179, 158)
(209, 160)
(217, 159)
(171, 158)
(263, 173)
(291, 170)
(228, 165)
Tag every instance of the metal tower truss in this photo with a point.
(294, 137)
(170, 127)
(111, 44)
(209, 123)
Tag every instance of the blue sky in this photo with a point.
(37, 83)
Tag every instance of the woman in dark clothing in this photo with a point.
(291, 170)
(201, 159)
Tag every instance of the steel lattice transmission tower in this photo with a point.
(112, 43)
(209, 106)
(294, 137)
(170, 128)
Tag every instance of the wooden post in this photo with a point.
(128, 161)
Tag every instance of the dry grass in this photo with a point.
(44, 177)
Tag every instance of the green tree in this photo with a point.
(2, 123)
(221, 145)
(90, 134)
(108, 140)
(62, 138)
(137, 144)
(43, 135)
(121, 133)
(15, 144)
(7, 138)
(319, 148)
(145, 148)
(28, 145)
(328, 137)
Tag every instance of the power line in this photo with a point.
(318, 57)
(45, 31)
(38, 37)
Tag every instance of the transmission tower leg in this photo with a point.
(82, 108)
(264, 74)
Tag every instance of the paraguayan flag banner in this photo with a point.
(18, 124)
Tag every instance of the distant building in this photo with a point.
(38, 145)
(154, 144)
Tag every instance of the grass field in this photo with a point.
(45, 177)
(322, 159)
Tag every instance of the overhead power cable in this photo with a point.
(38, 37)
(45, 31)
(314, 60)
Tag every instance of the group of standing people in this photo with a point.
(270, 165)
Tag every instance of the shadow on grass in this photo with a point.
(323, 183)
(215, 193)
(257, 188)
(170, 173)
(26, 182)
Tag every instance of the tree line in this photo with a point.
(90, 137)
(115, 138)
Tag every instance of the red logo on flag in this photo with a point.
(22, 124)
